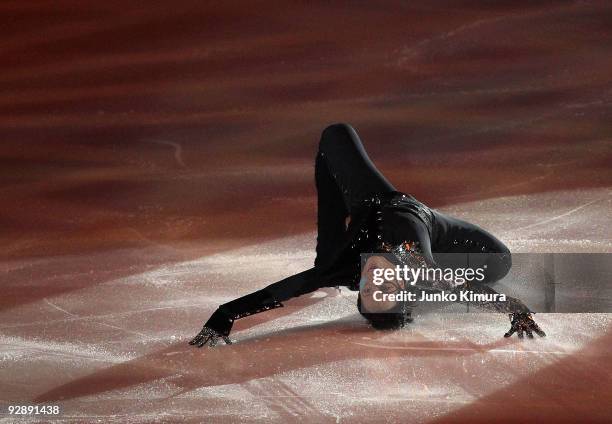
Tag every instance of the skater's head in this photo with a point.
(376, 301)
(385, 320)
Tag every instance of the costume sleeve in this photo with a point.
(271, 296)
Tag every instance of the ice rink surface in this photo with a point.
(117, 351)
(157, 160)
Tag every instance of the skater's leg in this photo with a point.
(350, 166)
(468, 245)
(331, 212)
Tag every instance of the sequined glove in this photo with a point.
(523, 322)
(217, 327)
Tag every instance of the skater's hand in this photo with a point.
(217, 327)
(210, 337)
(523, 322)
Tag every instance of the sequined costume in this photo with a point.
(382, 219)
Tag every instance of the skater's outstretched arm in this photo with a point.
(520, 315)
(220, 323)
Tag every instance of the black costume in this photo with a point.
(382, 219)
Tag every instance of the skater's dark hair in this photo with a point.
(385, 321)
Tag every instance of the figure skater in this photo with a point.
(360, 212)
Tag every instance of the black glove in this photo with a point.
(217, 327)
(522, 321)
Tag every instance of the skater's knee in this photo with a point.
(335, 129)
(334, 133)
(498, 264)
(505, 259)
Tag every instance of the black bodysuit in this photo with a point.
(381, 218)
